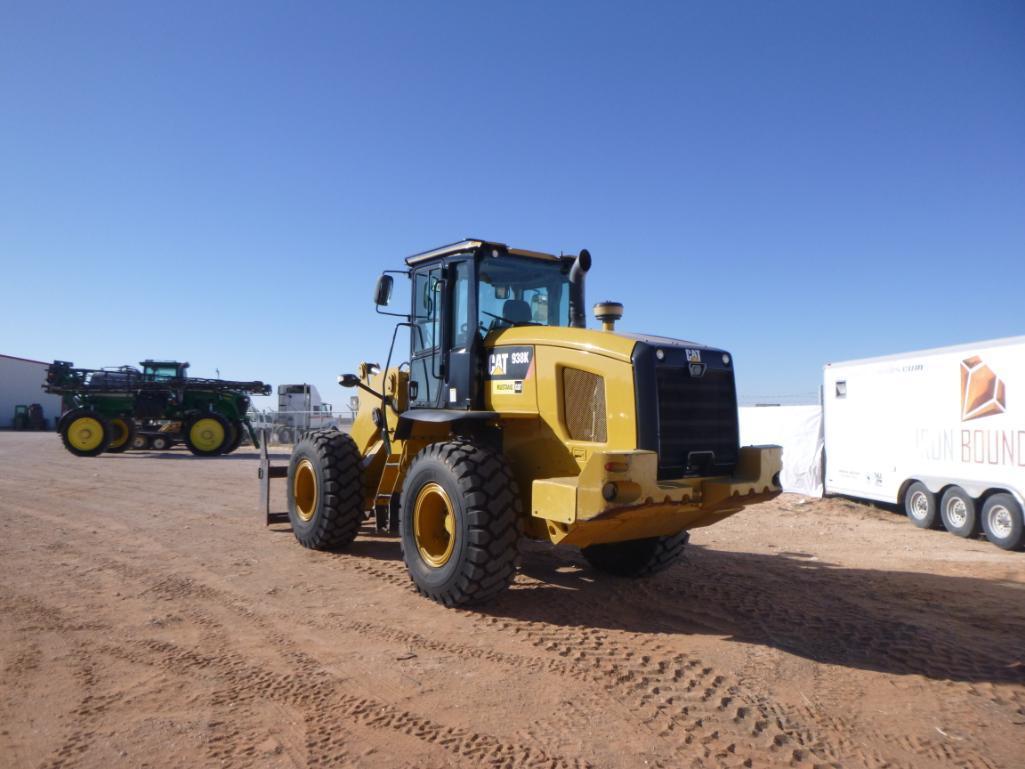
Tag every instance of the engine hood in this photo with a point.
(613, 344)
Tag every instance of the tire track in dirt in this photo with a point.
(40, 618)
(678, 694)
(312, 688)
(679, 697)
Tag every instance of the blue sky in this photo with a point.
(795, 182)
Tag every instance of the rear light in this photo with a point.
(616, 467)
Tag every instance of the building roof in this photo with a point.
(26, 360)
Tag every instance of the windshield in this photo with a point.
(162, 372)
(520, 291)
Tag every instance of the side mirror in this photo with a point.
(348, 380)
(382, 294)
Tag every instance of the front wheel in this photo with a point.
(140, 442)
(122, 433)
(325, 490)
(85, 433)
(1002, 521)
(920, 506)
(460, 523)
(207, 434)
(637, 557)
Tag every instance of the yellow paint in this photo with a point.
(85, 433)
(304, 490)
(207, 434)
(122, 429)
(561, 480)
(434, 525)
(645, 506)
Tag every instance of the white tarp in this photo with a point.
(798, 429)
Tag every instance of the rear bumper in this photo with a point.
(579, 511)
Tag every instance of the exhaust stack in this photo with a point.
(577, 314)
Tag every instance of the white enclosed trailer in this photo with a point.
(940, 432)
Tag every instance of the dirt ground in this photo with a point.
(149, 619)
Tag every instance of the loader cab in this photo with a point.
(463, 295)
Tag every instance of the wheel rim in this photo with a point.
(957, 512)
(304, 490)
(1000, 521)
(919, 505)
(207, 434)
(121, 428)
(160, 443)
(434, 525)
(85, 433)
(138, 442)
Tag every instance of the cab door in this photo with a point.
(425, 364)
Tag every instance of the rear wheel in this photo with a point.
(325, 490)
(207, 434)
(122, 432)
(637, 557)
(957, 510)
(237, 429)
(920, 506)
(1002, 521)
(85, 433)
(459, 523)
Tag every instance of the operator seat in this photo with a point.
(517, 311)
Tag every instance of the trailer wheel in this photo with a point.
(920, 506)
(637, 557)
(206, 434)
(1002, 521)
(237, 429)
(140, 442)
(459, 523)
(160, 442)
(325, 490)
(84, 432)
(122, 432)
(957, 511)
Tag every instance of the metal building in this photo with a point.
(21, 384)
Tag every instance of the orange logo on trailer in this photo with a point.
(982, 391)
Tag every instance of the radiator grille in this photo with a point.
(697, 422)
(584, 398)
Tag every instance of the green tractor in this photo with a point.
(106, 403)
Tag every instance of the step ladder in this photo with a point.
(386, 510)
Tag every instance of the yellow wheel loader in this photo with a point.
(511, 418)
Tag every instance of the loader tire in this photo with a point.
(637, 557)
(84, 432)
(325, 490)
(459, 523)
(122, 433)
(206, 435)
